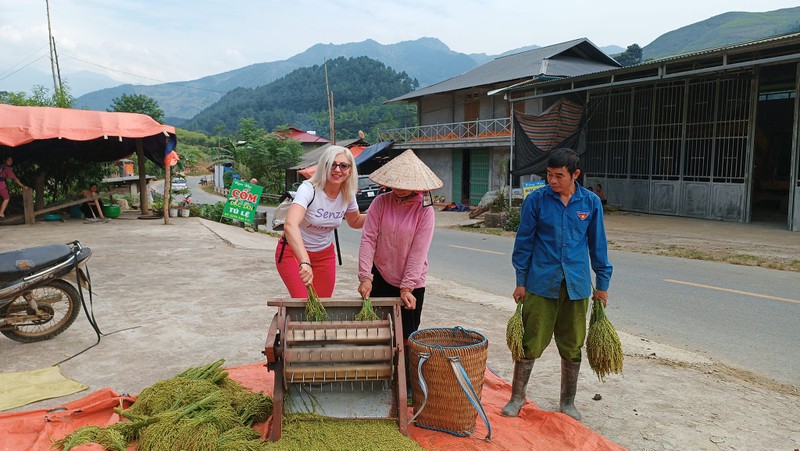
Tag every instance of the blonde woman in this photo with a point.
(305, 254)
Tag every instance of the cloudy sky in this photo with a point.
(149, 41)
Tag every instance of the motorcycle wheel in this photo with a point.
(58, 298)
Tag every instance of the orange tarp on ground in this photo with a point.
(309, 171)
(533, 429)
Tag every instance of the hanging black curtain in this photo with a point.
(537, 160)
(561, 125)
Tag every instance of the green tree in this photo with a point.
(631, 56)
(359, 85)
(138, 103)
(142, 104)
(266, 156)
(40, 96)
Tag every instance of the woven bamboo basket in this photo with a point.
(447, 407)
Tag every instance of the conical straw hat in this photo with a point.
(406, 171)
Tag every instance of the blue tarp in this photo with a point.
(371, 151)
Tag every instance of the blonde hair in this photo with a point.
(320, 177)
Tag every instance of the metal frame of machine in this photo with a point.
(339, 350)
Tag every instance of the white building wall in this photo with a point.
(441, 163)
(436, 110)
(498, 172)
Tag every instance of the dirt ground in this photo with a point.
(173, 296)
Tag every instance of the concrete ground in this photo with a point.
(173, 296)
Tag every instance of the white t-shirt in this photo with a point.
(323, 215)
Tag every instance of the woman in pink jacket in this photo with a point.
(393, 257)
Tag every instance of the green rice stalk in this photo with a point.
(129, 429)
(236, 434)
(603, 347)
(247, 445)
(171, 394)
(251, 407)
(187, 434)
(315, 311)
(109, 439)
(212, 372)
(367, 312)
(514, 334)
(257, 408)
(241, 439)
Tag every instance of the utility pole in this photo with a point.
(58, 67)
(52, 49)
(329, 96)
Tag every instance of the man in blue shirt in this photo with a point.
(560, 236)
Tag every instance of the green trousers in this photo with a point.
(563, 318)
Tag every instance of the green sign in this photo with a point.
(242, 201)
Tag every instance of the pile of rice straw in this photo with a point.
(199, 409)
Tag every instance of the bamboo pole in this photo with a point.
(167, 190)
(329, 98)
(50, 42)
(143, 195)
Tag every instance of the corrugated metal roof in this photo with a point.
(654, 63)
(572, 57)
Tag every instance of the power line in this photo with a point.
(23, 67)
(147, 78)
(23, 61)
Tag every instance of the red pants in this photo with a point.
(323, 263)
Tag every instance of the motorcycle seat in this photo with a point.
(24, 262)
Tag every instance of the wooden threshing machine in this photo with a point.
(340, 367)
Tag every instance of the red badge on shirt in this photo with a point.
(583, 215)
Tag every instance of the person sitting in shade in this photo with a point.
(598, 189)
(89, 208)
(5, 174)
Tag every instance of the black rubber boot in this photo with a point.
(569, 385)
(522, 372)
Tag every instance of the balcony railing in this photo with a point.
(471, 130)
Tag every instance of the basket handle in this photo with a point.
(466, 385)
(423, 356)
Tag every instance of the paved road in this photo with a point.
(744, 316)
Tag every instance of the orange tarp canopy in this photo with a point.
(31, 133)
(533, 429)
(309, 171)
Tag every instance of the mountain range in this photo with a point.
(426, 59)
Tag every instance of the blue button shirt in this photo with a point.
(556, 242)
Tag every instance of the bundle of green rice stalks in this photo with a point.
(367, 312)
(603, 348)
(108, 438)
(514, 334)
(315, 311)
(195, 410)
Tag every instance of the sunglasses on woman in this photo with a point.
(342, 166)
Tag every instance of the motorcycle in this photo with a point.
(37, 302)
